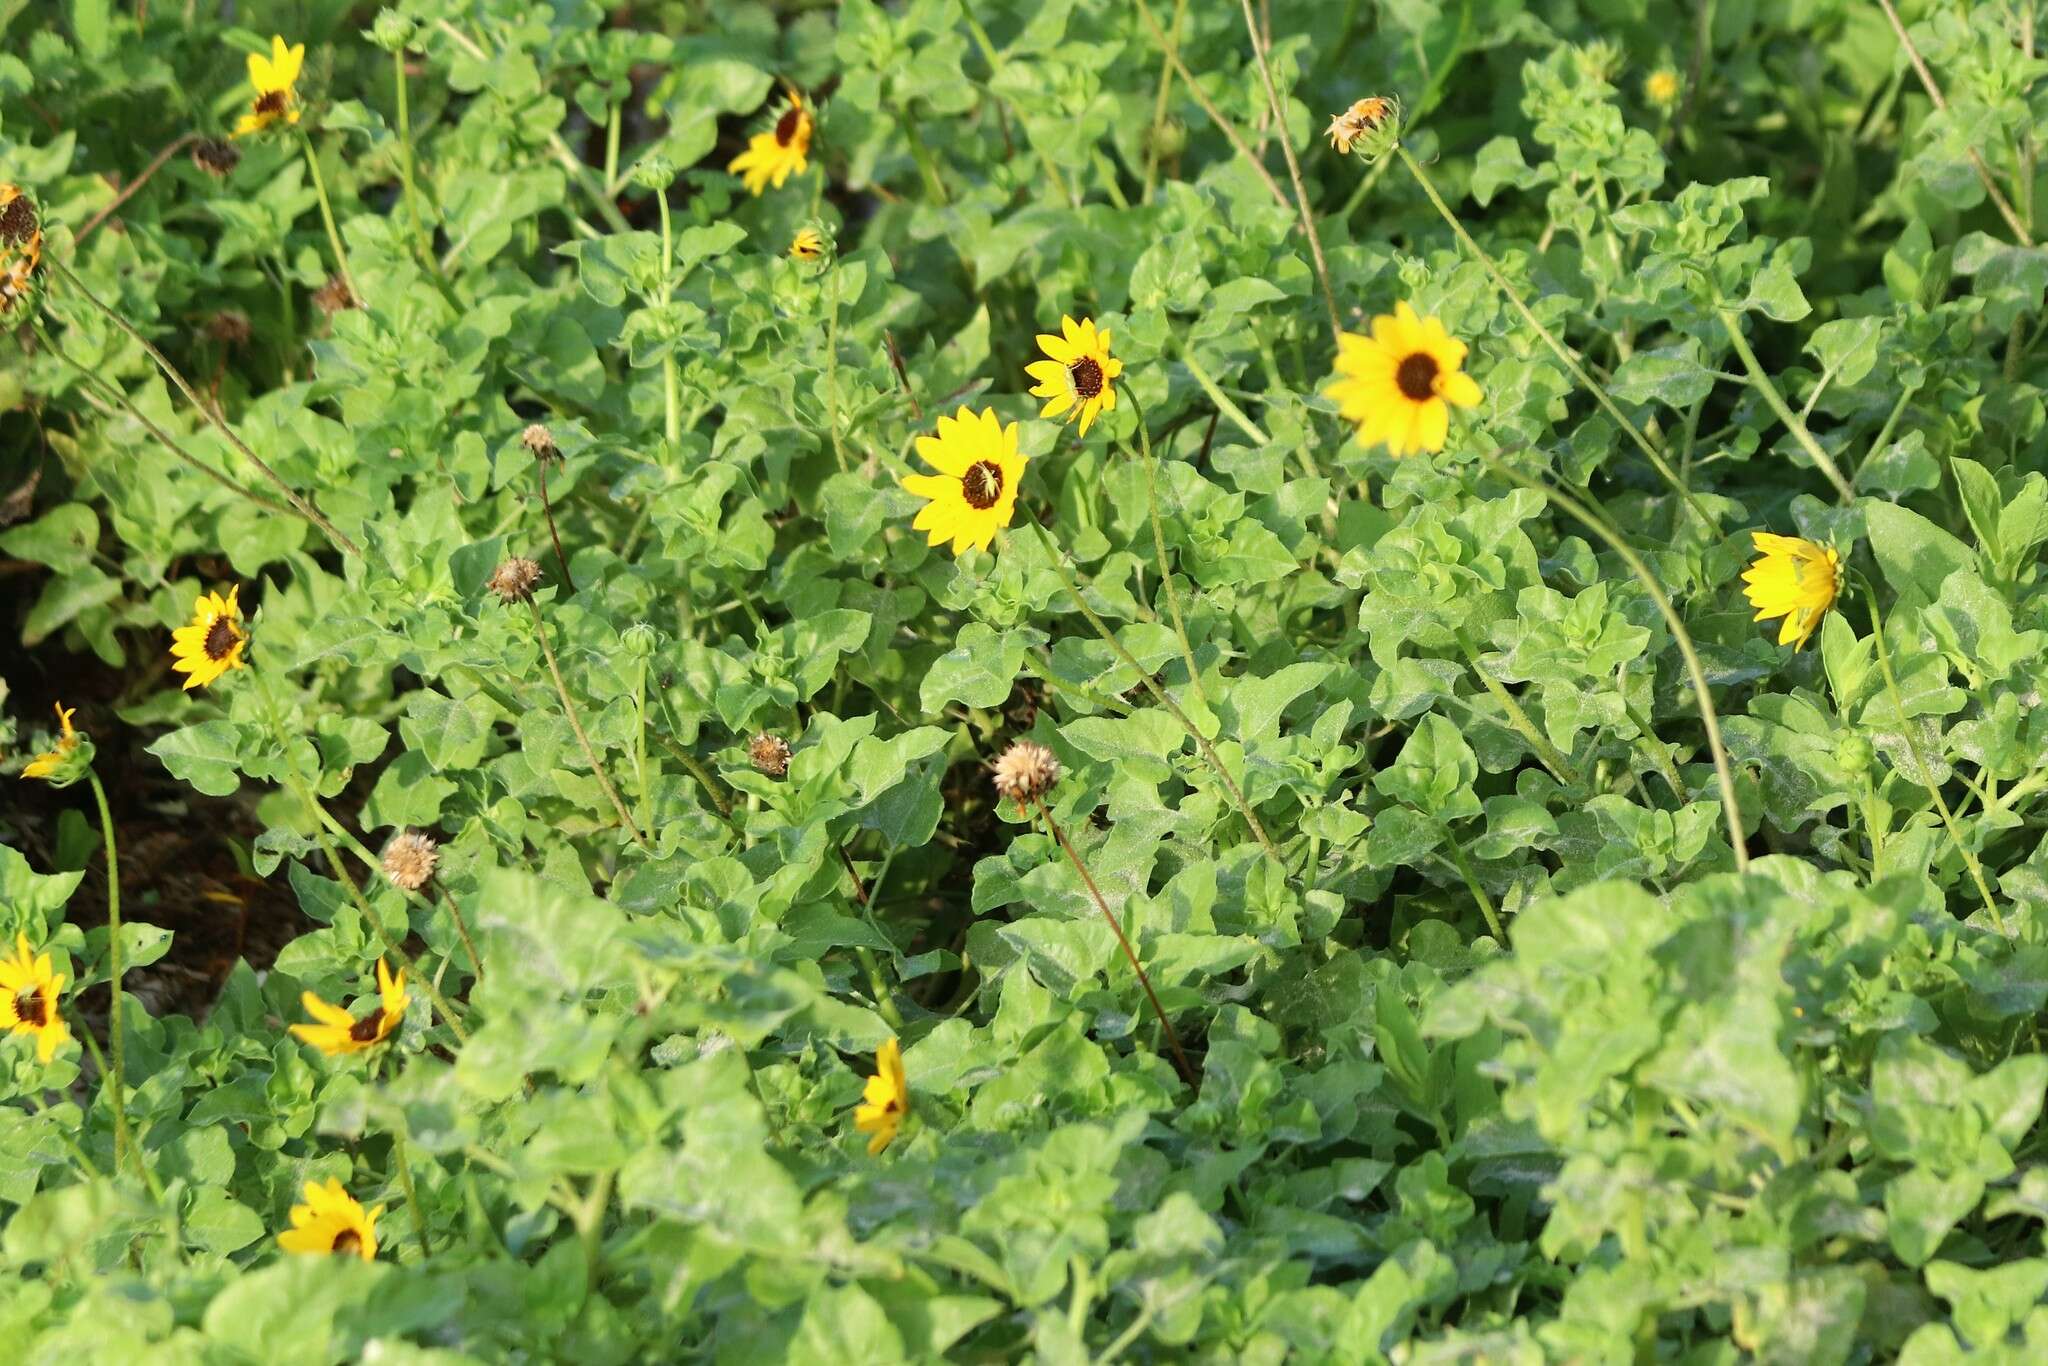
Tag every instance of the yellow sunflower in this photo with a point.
(28, 998)
(54, 763)
(776, 155)
(974, 493)
(1398, 384)
(331, 1222)
(1076, 377)
(1661, 87)
(340, 1032)
(275, 76)
(807, 245)
(886, 1100)
(213, 643)
(21, 245)
(1793, 578)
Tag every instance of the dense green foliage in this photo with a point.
(1505, 1049)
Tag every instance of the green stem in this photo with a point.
(1948, 819)
(1208, 751)
(1731, 805)
(1180, 625)
(1171, 51)
(832, 372)
(922, 155)
(1222, 400)
(1659, 754)
(547, 649)
(1471, 879)
(115, 1034)
(412, 1196)
(1762, 382)
(590, 1225)
(1557, 348)
(672, 416)
(327, 220)
(611, 150)
(1160, 106)
(412, 194)
(1547, 754)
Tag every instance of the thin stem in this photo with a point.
(1557, 348)
(1222, 400)
(412, 1196)
(1547, 754)
(305, 509)
(922, 155)
(405, 164)
(476, 961)
(1821, 459)
(832, 371)
(611, 149)
(1933, 90)
(1228, 129)
(1161, 106)
(1471, 880)
(1208, 751)
(1731, 806)
(94, 383)
(327, 219)
(1180, 625)
(115, 1034)
(671, 402)
(128, 190)
(590, 1224)
(540, 630)
(548, 509)
(1180, 1058)
(1659, 752)
(1948, 819)
(1308, 218)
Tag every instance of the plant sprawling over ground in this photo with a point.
(1082, 680)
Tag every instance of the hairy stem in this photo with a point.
(547, 649)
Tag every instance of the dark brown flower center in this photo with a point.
(17, 222)
(271, 102)
(982, 485)
(348, 1240)
(221, 638)
(365, 1030)
(1086, 376)
(785, 127)
(1417, 376)
(30, 1008)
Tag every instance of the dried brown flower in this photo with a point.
(216, 156)
(409, 860)
(514, 579)
(1025, 772)
(335, 297)
(769, 754)
(538, 439)
(229, 327)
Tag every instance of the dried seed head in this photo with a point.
(514, 579)
(335, 297)
(770, 755)
(229, 327)
(216, 156)
(539, 440)
(409, 860)
(19, 223)
(1025, 772)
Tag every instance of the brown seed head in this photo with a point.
(1025, 772)
(538, 439)
(335, 297)
(229, 327)
(409, 860)
(514, 579)
(770, 755)
(216, 156)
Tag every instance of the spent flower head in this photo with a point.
(540, 442)
(409, 860)
(769, 754)
(513, 580)
(1025, 772)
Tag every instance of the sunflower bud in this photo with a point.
(392, 31)
(513, 580)
(656, 172)
(1026, 771)
(1370, 127)
(538, 439)
(409, 860)
(68, 760)
(1662, 89)
(769, 754)
(808, 245)
(640, 640)
(1598, 60)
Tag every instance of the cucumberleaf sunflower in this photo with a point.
(340, 1032)
(275, 78)
(1398, 384)
(214, 641)
(1793, 578)
(332, 1223)
(885, 1101)
(783, 151)
(1076, 378)
(28, 998)
(974, 493)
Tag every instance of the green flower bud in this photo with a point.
(393, 31)
(641, 640)
(1853, 753)
(656, 172)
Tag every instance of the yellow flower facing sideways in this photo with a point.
(340, 1032)
(1398, 384)
(886, 1100)
(275, 78)
(213, 642)
(331, 1223)
(974, 493)
(807, 245)
(783, 151)
(1793, 578)
(1077, 377)
(28, 998)
(49, 765)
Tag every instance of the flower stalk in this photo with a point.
(547, 649)
(115, 1036)
(1308, 218)
(348, 280)
(1180, 625)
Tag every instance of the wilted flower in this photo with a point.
(541, 442)
(213, 642)
(514, 579)
(1077, 377)
(335, 297)
(1398, 383)
(1793, 578)
(974, 493)
(886, 1100)
(229, 327)
(769, 754)
(1370, 126)
(409, 860)
(1025, 772)
(216, 156)
(331, 1222)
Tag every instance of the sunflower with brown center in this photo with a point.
(276, 78)
(1077, 376)
(28, 998)
(340, 1033)
(974, 493)
(886, 1099)
(783, 151)
(1398, 385)
(331, 1223)
(214, 641)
